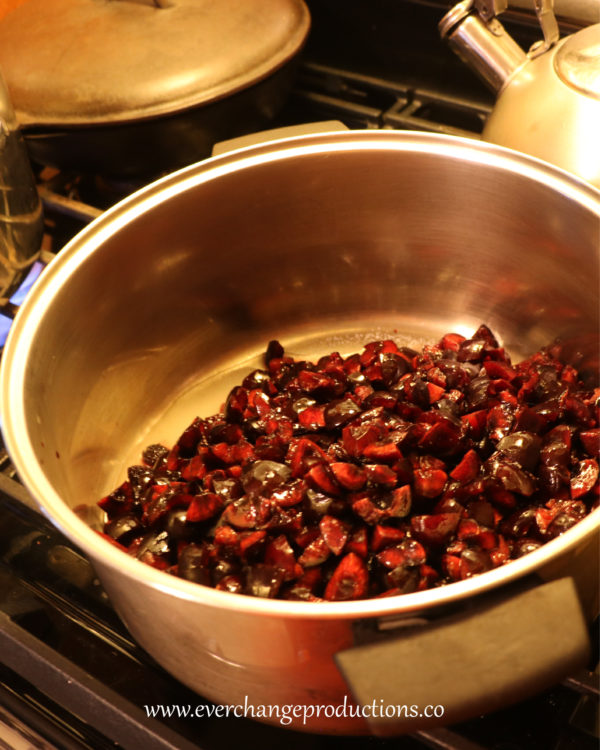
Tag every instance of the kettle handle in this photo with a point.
(490, 654)
(21, 219)
(544, 10)
(488, 10)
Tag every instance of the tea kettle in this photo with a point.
(548, 102)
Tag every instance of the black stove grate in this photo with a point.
(361, 101)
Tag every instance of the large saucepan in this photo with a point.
(149, 316)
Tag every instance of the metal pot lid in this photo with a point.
(91, 62)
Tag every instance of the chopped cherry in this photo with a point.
(377, 474)
(350, 580)
(435, 530)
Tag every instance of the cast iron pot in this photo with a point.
(131, 89)
(151, 314)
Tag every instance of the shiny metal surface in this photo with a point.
(150, 315)
(21, 221)
(541, 114)
(577, 63)
(484, 46)
(579, 12)
(79, 63)
(488, 10)
(544, 10)
(548, 104)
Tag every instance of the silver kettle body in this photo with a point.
(548, 99)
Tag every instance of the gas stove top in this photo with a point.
(70, 674)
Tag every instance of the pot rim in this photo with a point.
(19, 441)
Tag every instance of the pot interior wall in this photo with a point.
(322, 250)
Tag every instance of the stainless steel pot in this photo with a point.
(151, 314)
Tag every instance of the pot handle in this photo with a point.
(289, 131)
(498, 651)
(21, 218)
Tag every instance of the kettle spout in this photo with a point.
(483, 44)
